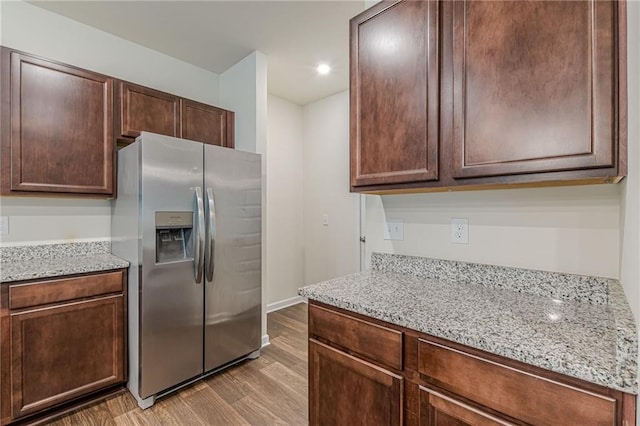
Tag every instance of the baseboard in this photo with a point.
(265, 340)
(271, 307)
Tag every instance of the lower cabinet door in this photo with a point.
(65, 351)
(437, 409)
(345, 390)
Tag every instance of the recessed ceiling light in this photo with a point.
(323, 69)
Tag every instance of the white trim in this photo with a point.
(265, 341)
(276, 306)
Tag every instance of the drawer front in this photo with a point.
(438, 409)
(52, 291)
(518, 394)
(379, 344)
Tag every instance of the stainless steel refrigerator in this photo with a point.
(188, 219)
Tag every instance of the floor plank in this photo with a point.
(228, 387)
(212, 410)
(270, 390)
(290, 379)
(256, 412)
(279, 397)
(296, 313)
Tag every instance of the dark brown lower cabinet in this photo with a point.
(373, 394)
(66, 339)
(512, 391)
(65, 351)
(437, 409)
(436, 382)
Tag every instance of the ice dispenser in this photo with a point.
(174, 236)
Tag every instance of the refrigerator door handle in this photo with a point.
(199, 237)
(211, 240)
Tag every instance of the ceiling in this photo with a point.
(295, 35)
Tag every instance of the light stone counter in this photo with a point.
(574, 325)
(52, 260)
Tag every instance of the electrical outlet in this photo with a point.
(394, 229)
(460, 231)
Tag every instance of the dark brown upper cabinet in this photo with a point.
(58, 127)
(394, 94)
(144, 109)
(524, 93)
(533, 87)
(206, 123)
(149, 110)
(57, 133)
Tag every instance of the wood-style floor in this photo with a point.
(270, 390)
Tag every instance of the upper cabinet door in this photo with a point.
(394, 93)
(534, 86)
(61, 134)
(204, 123)
(147, 110)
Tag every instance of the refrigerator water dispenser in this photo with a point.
(174, 236)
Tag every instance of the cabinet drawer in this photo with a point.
(379, 344)
(516, 393)
(439, 409)
(52, 291)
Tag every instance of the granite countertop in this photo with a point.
(574, 325)
(52, 260)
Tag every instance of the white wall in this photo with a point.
(332, 250)
(308, 177)
(630, 226)
(243, 89)
(44, 220)
(285, 272)
(34, 30)
(565, 229)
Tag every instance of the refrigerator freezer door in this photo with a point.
(171, 302)
(233, 297)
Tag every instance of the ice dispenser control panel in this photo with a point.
(174, 236)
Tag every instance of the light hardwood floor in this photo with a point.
(271, 390)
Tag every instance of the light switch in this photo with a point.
(325, 220)
(4, 225)
(394, 229)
